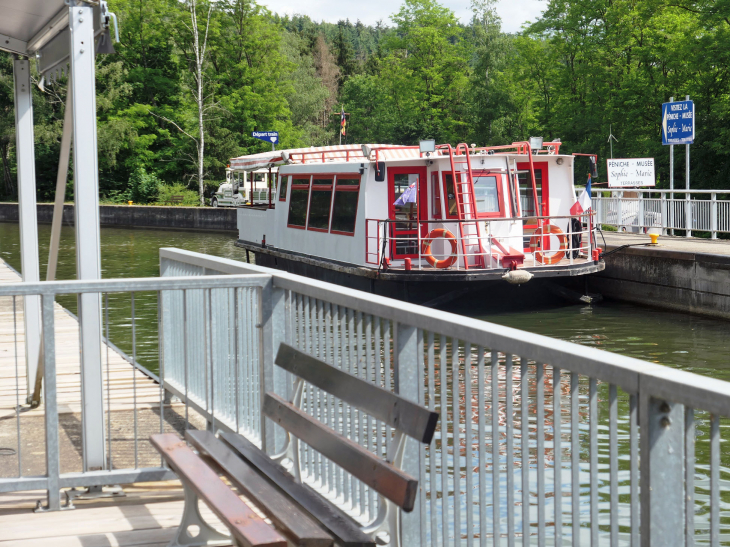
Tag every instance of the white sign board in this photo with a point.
(631, 173)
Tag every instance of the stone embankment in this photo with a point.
(140, 216)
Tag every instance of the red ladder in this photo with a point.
(466, 205)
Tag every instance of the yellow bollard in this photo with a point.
(130, 203)
(654, 238)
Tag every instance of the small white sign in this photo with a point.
(631, 173)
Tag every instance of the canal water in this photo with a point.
(686, 342)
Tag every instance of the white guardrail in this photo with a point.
(641, 210)
(540, 441)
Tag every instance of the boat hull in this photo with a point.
(437, 289)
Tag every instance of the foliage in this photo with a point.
(166, 191)
(143, 187)
(583, 66)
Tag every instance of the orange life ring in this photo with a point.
(544, 231)
(426, 248)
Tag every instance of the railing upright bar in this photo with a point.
(432, 447)
(420, 380)
(443, 422)
(613, 460)
(689, 477)
(134, 386)
(481, 401)
(575, 458)
(540, 457)
(468, 445)
(361, 417)
(108, 386)
(456, 416)
(369, 373)
(53, 458)
(525, 439)
(634, 468)
(212, 360)
(557, 457)
(714, 480)
(509, 434)
(593, 436)
(19, 450)
(496, 512)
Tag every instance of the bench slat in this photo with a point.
(410, 418)
(246, 526)
(347, 533)
(383, 477)
(286, 515)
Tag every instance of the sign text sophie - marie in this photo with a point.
(631, 173)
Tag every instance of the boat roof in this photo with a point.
(318, 154)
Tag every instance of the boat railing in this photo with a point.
(390, 242)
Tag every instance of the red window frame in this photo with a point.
(500, 196)
(436, 201)
(321, 188)
(541, 166)
(282, 195)
(345, 188)
(300, 186)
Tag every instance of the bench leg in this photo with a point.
(206, 534)
(387, 522)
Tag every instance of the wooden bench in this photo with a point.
(176, 199)
(300, 513)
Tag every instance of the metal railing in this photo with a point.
(384, 241)
(540, 441)
(698, 210)
(136, 401)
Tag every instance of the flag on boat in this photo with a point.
(343, 122)
(408, 196)
(584, 201)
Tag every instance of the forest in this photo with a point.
(191, 79)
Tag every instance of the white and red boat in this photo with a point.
(421, 222)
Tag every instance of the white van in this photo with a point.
(241, 186)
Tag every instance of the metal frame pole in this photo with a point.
(671, 183)
(88, 247)
(29, 262)
(688, 202)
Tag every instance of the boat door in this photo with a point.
(527, 201)
(404, 232)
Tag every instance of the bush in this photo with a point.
(143, 187)
(608, 228)
(190, 197)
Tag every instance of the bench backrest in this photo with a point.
(403, 415)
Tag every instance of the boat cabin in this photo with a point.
(388, 207)
(246, 188)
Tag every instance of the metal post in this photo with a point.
(406, 366)
(665, 218)
(88, 248)
(662, 472)
(671, 182)
(619, 210)
(688, 203)
(641, 220)
(713, 215)
(273, 333)
(29, 264)
(53, 457)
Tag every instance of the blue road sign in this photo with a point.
(678, 122)
(268, 136)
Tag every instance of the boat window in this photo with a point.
(320, 203)
(436, 192)
(344, 209)
(298, 202)
(527, 201)
(282, 187)
(486, 194)
(451, 211)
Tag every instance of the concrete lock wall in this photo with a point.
(674, 280)
(140, 216)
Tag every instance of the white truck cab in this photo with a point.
(245, 188)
